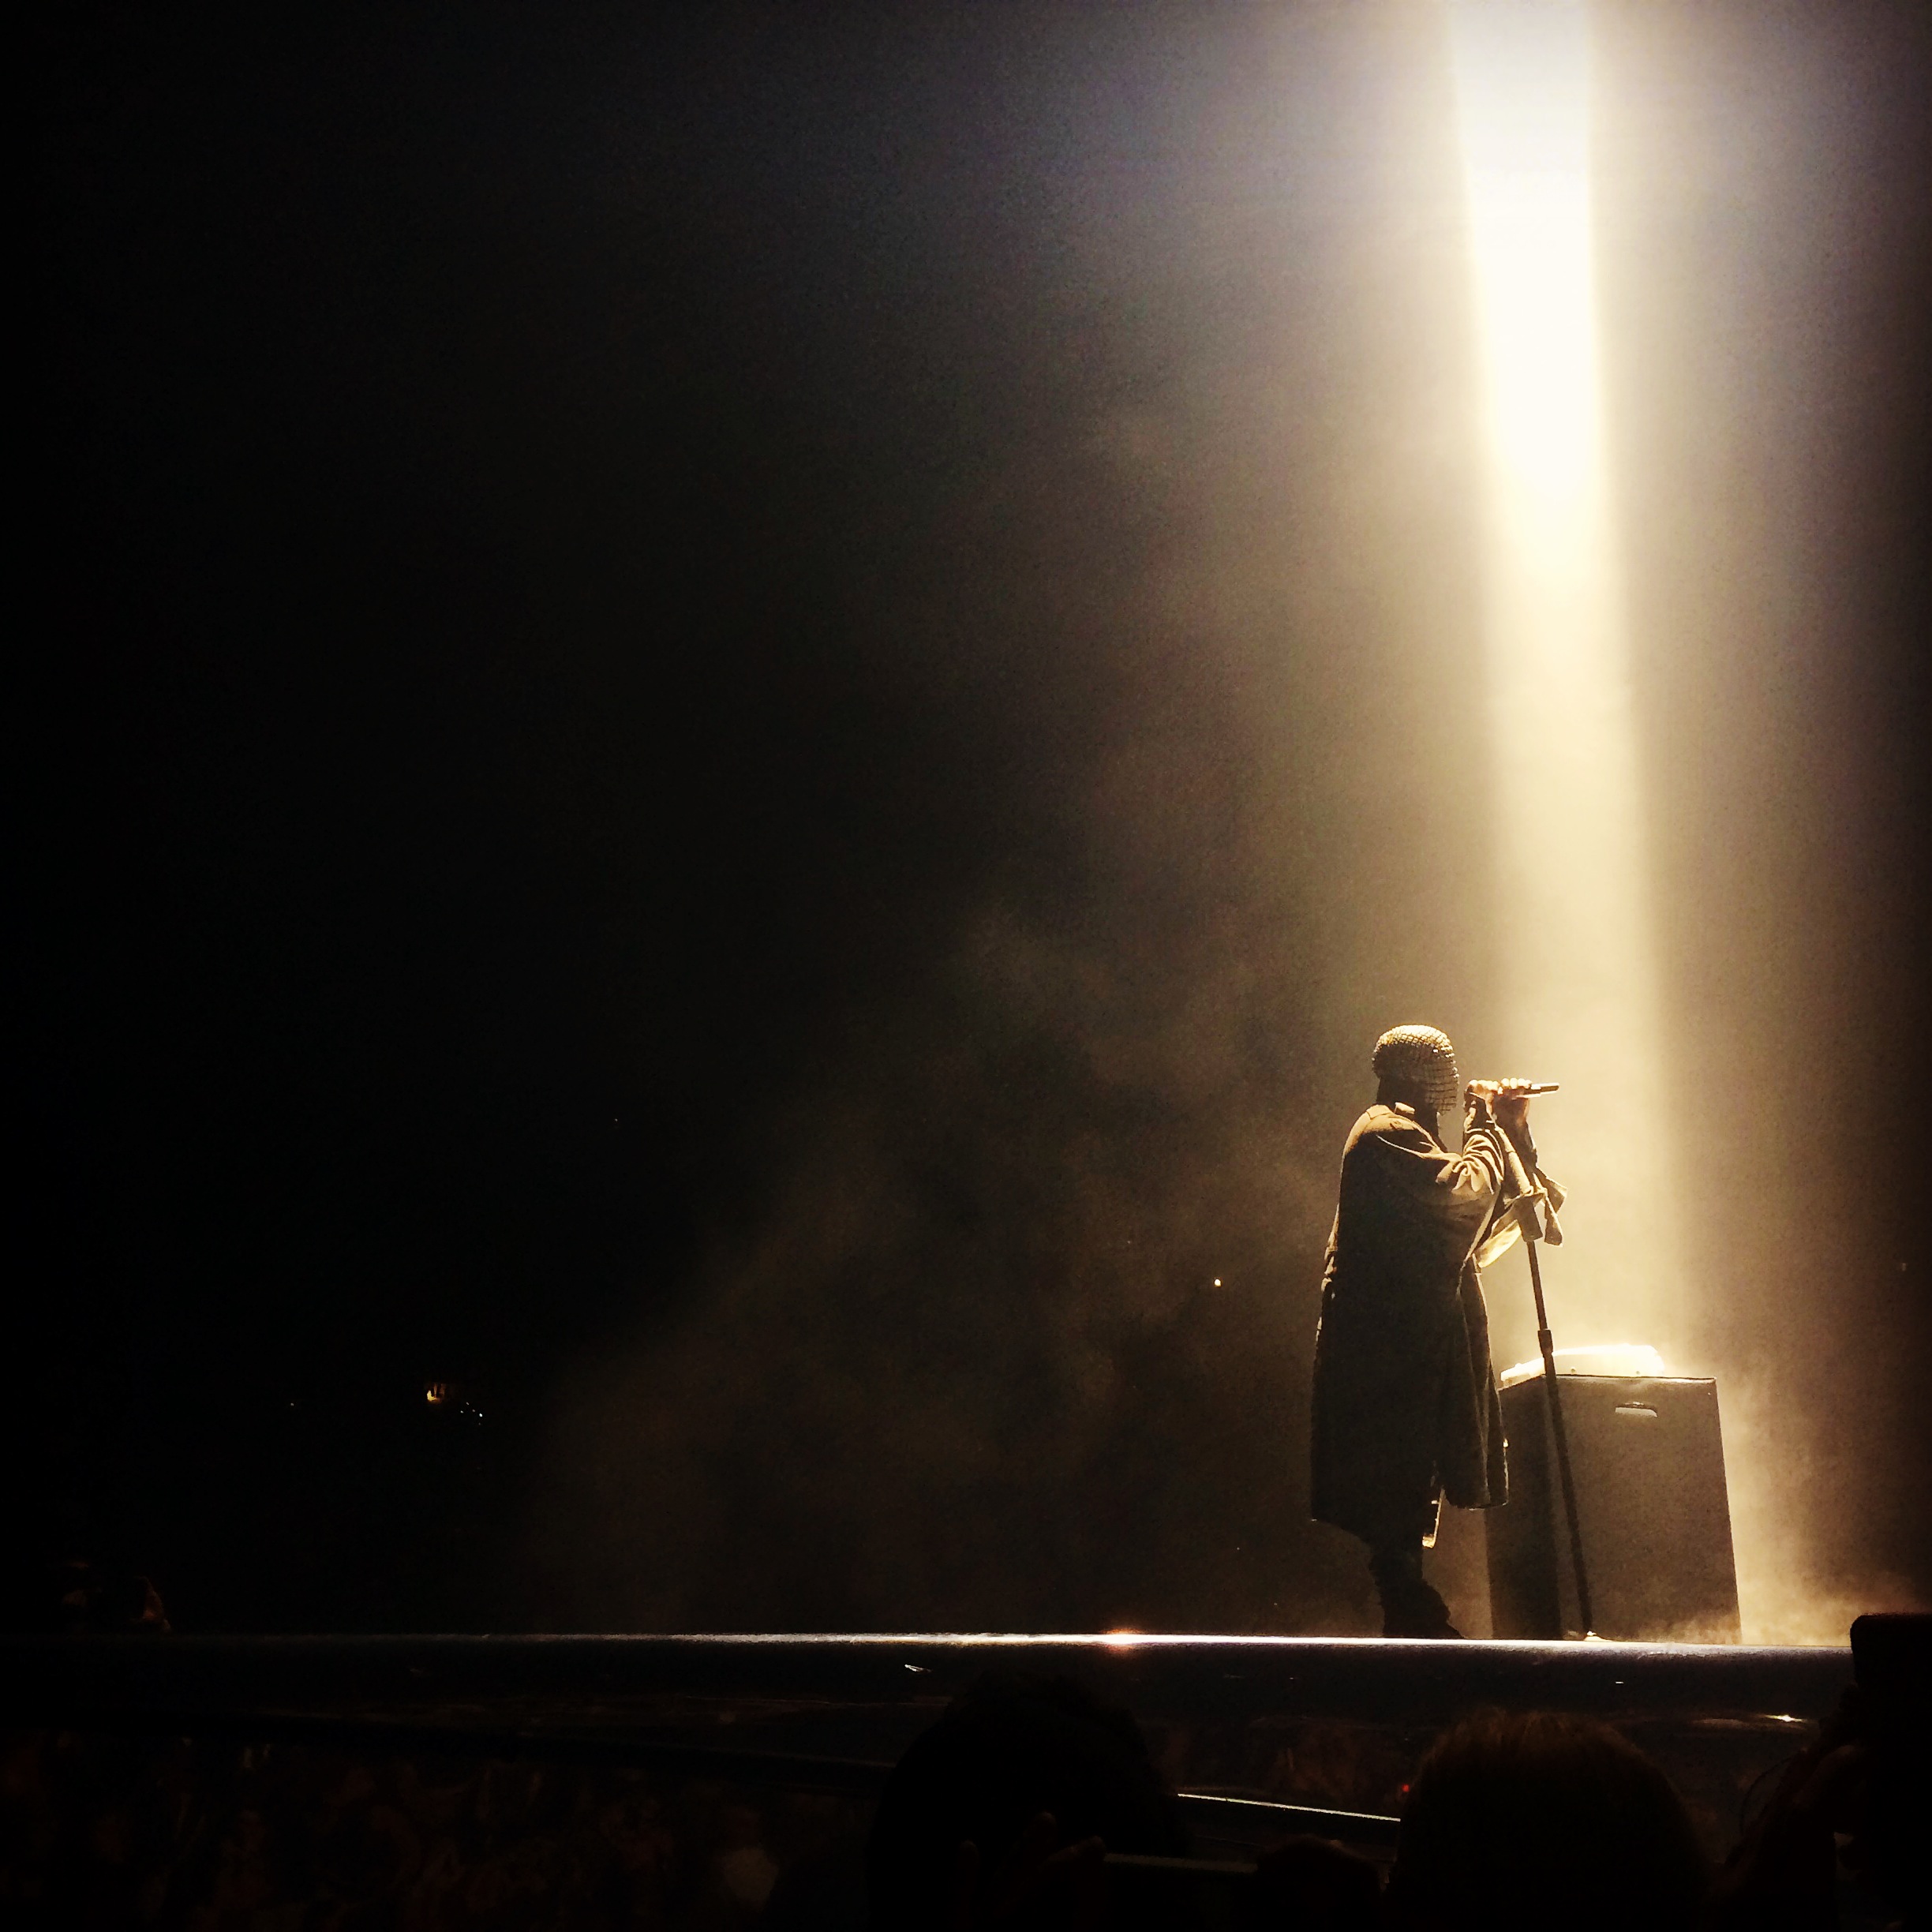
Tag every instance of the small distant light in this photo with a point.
(436, 1392)
(1217, 1281)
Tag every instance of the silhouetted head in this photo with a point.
(1007, 1750)
(1416, 1066)
(1539, 1818)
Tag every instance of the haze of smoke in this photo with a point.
(972, 1369)
(1783, 1487)
(966, 1367)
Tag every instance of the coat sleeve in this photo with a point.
(1460, 1188)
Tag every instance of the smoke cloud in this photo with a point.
(1018, 1335)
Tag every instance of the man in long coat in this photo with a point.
(1405, 1405)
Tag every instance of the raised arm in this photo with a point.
(1428, 1175)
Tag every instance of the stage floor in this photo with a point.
(1265, 1734)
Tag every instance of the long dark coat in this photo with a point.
(1405, 1394)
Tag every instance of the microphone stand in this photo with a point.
(1527, 1209)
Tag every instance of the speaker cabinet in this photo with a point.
(1648, 1459)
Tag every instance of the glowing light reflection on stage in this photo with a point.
(1576, 977)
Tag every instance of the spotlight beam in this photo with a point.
(1576, 974)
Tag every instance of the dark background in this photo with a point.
(732, 725)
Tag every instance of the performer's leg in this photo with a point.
(1410, 1608)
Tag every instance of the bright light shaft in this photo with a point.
(1577, 999)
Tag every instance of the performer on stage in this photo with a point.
(1405, 1405)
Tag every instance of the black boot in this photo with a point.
(1409, 1607)
(1420, 1612)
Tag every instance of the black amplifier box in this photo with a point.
(1648, 1460)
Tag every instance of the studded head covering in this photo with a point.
(1420, 1056)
